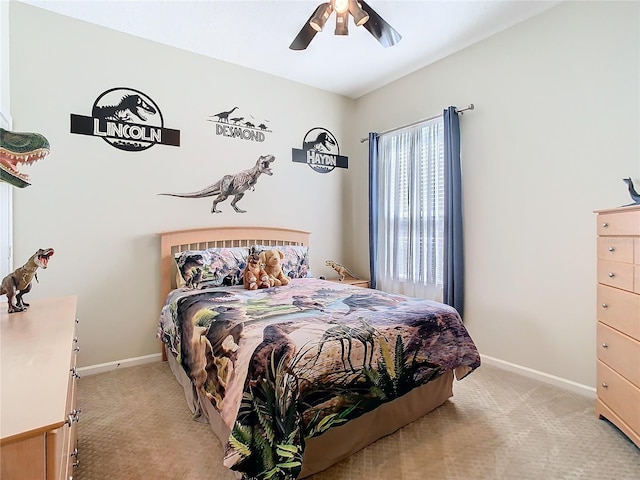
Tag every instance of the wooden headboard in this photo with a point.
(203, 238)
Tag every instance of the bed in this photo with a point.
(295, 378)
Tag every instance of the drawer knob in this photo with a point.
(74, 453)
(604, 385)
(604, 305)
(76, 463)
(76, 414)
(611, 274)
(604, 345)
(77, 349)
(612, 249)
(73, 416)
(605, 224)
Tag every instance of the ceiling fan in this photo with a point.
(362, 14)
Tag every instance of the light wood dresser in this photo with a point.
(38, 419)
(618, 329)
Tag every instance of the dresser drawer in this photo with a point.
(617, 249)
(70, 455)
(619, 352)
(619, 223)
(620, 395)
(58, 465)
(73, 376)
(616, 274)
(24, 459)
(619, 309)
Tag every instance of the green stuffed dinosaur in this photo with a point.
(17, 148)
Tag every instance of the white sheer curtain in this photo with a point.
(411, 211)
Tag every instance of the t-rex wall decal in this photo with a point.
(236, 184)
(128, 107)
(17, 148)
(322, 142)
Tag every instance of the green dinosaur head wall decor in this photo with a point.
(17, 148)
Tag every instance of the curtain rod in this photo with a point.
(458, 110)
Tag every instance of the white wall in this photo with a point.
(98, 206)
(6, 197)
(5, 99)
(556, 128)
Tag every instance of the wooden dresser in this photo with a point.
(618, 314)
(38, 421)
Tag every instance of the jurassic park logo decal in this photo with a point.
(320, 151)
(126, 119)
(236, 123)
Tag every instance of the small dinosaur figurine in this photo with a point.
(635, 196)
(16, 284)
(341, 269)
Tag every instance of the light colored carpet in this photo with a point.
(135, 424)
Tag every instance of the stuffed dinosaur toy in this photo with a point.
(16, 284)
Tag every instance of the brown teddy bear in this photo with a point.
(255, 276)
(271, 260)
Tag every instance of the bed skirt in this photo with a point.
(339, 442)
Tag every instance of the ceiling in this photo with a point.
(257, 34)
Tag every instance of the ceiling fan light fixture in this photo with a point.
(360, 17)
(319, 19)
(342, 23)
(340, 6)
(362, 14)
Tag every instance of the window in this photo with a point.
(411, 210)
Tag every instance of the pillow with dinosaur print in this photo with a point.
(213, 267)
(296, 259)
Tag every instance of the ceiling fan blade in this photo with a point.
(379, 28)
(304, 37)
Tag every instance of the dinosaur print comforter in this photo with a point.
(285, 364)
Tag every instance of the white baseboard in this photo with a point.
(544, 377)
(127, 362)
